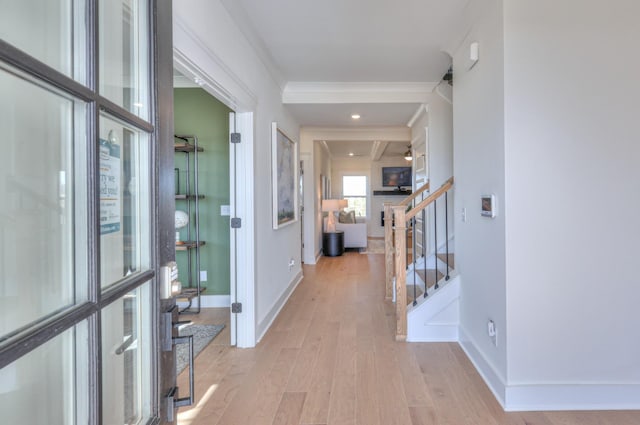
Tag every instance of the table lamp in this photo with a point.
(331, 206)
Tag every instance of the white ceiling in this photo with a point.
(352, 41)
(371, 114)
(365, 149)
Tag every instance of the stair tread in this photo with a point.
(429, 276)
(443, 258)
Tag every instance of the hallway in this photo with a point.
(330, 358)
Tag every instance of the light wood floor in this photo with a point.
(330, 358)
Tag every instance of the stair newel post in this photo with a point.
(388, 250)
(446, 230)
(435, 238)
(401, 272)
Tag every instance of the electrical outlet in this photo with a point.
(292, 262)
(225, 210)
(203, 275)
(493, 332)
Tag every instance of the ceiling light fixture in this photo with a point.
(355, 116)
(350, 153)
(407, 155)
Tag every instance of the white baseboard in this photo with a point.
(265, 324)
(209, 301)
(434, 333)
(551, 396)
(492, 378)
(589, 396)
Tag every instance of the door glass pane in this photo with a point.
(43, 207)
(124, 54)
(50, 384)
(126, 358)
(51, 31)
(124, 200)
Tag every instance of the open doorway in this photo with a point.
(201, 118)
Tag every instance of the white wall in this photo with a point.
(202, 32)
(322, 167)
(440, 140)
(572, 169)
(478, 124)
(432, 135)
(546, 121)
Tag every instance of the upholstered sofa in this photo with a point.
(355, 234)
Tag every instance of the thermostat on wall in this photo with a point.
(489, 207)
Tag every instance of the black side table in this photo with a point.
(333, 243)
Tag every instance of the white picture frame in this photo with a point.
(284, 169)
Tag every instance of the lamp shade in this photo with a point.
(343, 203)
(330, 204)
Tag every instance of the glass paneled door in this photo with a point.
(85, 219)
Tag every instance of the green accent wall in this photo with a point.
(200, 114)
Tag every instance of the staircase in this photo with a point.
(421, 273)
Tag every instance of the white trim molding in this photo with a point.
(555, 396)
(422, 109)
(587, 396)
(331, 93)
(494, 379)
(266, 323)
(219, 80)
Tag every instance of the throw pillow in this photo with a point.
(347, 217)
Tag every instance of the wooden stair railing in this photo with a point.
(388, 237)
(396, 218)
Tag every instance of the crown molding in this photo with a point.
(356, 92)
(195, 60)
(445, 91)
(242, 21)
(182, 82)
(377, 149)
(391, 134)
(467, 19)
(325, 146)
(422, 109)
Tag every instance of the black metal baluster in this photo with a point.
(435, 238)
(424, 248)
(446, 230)
(413, 260)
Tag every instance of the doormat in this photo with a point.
(202, 336)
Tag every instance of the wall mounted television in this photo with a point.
(396, 176)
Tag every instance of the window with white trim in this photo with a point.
(354, 190)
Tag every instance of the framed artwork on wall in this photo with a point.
(284, 154)
(326, 186)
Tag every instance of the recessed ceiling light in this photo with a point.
(350, 153)
(355, 116)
